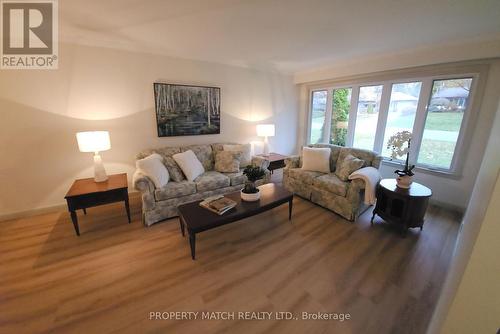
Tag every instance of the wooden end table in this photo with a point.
(403, 207)
(197, 219)
(276, 161)
(86, 193)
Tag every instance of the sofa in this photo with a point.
(326, 189)
(161, 203)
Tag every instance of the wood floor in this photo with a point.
(115, 274)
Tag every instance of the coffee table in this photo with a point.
(197, 219)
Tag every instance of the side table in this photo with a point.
(86, 193)
(276, 161)
(403, 207)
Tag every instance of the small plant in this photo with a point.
(398, 148)
(253, 173)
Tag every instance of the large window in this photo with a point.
(367, 115)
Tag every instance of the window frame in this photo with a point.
(423, 103)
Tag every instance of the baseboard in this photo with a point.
(33, 212)
(448, 206)
(46, 209)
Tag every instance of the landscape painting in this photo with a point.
(187, 110)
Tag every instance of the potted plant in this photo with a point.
(399, 144)
(250, 192)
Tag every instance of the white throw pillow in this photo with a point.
(190, 165)
(316, 159)
(246, 149)
(152, 166)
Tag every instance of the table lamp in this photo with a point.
(95, 141)
(265, 130)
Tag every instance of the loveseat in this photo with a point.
(161, 203)
(326, 189)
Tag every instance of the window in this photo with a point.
(445, 114)
(402, 111)
(367, 115)
(318, 115)
(341, 103)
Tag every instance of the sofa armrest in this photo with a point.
(354, 189)
(142, 183)
(260, 162)
(292, 162)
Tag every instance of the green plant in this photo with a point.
(253, 173)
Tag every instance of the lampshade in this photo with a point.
(93, 141)
(265, 130)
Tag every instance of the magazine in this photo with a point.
(218, 204)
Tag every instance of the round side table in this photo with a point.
(403, 207)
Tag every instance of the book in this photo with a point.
(218, 204)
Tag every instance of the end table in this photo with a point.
(276, 161)
(403, 207)
(86, 193)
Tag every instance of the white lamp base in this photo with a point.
(266, 147)
(99, 171)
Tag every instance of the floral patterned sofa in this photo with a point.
(327, 190)
(160, 204)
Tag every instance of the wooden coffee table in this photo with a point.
(197, 219)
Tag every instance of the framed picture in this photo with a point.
(183, 110)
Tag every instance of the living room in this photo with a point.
(162, 106)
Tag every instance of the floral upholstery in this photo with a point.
(204, 153)
(342, 197)
(211, 180)
(175, 189)
(160, 204)
(228, 161)
(347, 166)
(174, 171)
(236, 178)
(331, 183)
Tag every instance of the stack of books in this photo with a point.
(218, 204)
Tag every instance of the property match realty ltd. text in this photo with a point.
(228, 315)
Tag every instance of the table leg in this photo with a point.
(84, 211)
(290, 207)
(181, 223)
(373, 216)
(192, 243)
(74, 219)
(127, 207)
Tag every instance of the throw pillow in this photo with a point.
(153, 167)
(190, 165)
(245, 149)
(228, 161)
(316, 159)
(173, 169)
(347, 166)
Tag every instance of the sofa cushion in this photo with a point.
(347, 166)
(190, 164)
(153, 167)
(236, 178)
(367, 156)
(211, 180)
(175, 189)
(246, 151)
(316, 159)
(305, 176)
(167, 152)
(335, 151)
(227, 161)
(331, 183)
(204, 153)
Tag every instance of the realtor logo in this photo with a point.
(29, 34)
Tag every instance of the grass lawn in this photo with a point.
(444, 121)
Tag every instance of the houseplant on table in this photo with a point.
(250, 192)
(399, 144)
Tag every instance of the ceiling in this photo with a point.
(282, 35)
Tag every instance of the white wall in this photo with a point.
(470, 299)
(99, 88)
(451, 191)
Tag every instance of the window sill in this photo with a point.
(425, 170)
